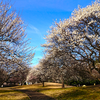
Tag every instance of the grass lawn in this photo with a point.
(53, 90)
(9, 94)
(74, 93)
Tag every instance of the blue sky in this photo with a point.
(39, 15)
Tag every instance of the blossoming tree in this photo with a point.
(78, 36)
(14, 49)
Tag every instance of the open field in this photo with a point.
(74, 93)
(53, 90)
(9, 94)
(39, 86)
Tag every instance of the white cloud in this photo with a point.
(39, 49)
(32, 29)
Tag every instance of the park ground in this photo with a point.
(53, 91)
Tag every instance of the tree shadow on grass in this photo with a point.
(36, 95)
(4, 91)
(78, 95)
(73, 95)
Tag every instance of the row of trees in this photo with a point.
(15, 54)
(72, 47)
(50, 69)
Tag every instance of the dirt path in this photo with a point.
(36, 95)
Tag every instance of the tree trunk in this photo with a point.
(21, 83)
(99, 56)
(66, 82)
(62, 81)
(63, 84)
(43, 83)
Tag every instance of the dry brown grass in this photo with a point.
(48, 85)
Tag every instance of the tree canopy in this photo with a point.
(78, 36)
(15, 53)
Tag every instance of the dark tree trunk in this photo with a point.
(62, 81)
(99, 57)
(66, 82)
(21, 83)
(63, 84)
(43, 83)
